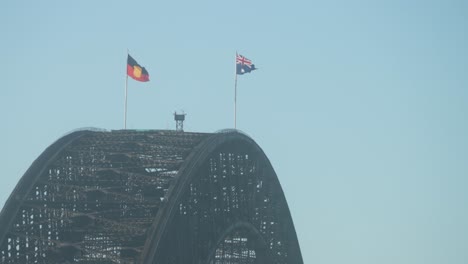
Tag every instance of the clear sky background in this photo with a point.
(361, 106)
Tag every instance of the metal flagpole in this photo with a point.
(235, 95)
(126, 91)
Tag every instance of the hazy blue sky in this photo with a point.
(361, 106)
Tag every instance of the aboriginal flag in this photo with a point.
(135, 71)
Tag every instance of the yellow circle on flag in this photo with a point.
(137, 71)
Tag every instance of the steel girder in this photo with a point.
(151, 196)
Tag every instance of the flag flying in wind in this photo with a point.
(243, 65)
(135, 71)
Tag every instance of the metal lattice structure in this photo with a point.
(149, 197)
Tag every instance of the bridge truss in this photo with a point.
(152, 196)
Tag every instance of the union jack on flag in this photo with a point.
(243, 65)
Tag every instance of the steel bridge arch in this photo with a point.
(188, 163)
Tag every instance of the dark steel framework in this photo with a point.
(149, 197)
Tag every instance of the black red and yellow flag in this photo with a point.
(135, 71)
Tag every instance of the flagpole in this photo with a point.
(235, 95)
(126, 92)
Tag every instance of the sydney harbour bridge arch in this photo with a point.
(152, 196)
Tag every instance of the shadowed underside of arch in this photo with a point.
(150, 196)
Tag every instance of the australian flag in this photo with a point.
(243, 65)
